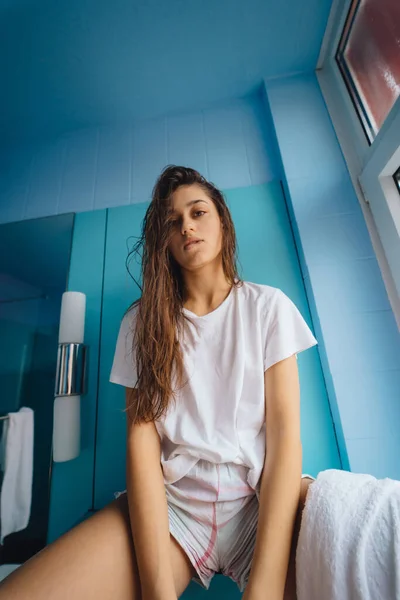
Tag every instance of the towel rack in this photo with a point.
(5, 417)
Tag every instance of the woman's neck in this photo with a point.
(204, 292)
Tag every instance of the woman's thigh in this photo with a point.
(94, 560)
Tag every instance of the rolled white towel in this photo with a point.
(349, 540)
(17, 461)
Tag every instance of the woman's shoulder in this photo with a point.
(130, 315)
(260, 293)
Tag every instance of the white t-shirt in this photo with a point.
(219, 415)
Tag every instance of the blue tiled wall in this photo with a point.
(235, 144)
(105, 167)
(360, 347)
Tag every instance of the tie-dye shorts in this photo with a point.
(213, 515)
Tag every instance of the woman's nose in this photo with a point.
(186, 227)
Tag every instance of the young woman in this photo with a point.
(214, 456)
(206, 357)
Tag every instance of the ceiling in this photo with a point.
(67, 64)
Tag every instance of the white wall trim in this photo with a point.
(334, 27)
(356, 150)
(379, 187)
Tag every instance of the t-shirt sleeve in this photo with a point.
(123, 369)
(287, 332)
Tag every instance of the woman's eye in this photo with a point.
(177, 222)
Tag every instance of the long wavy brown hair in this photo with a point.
(158, 312)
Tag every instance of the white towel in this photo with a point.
(17, 465)
(349, 541)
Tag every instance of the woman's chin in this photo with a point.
(197, 263)
(198, 260)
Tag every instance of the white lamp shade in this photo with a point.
(66, 428)
(72, 318)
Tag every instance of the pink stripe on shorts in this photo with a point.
(213, 515)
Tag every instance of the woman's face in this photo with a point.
(196, 238)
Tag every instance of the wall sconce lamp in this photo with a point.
(70, 378)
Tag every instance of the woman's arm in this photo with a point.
(148, 509)
(280, 483)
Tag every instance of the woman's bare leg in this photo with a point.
(94, 560)
(290, 588)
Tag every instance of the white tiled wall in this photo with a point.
(234, 145)
(97, 168)
(359, 339)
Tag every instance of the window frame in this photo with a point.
(396, 177)
(346, 75)
(365, 159)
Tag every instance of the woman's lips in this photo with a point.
(192, 244)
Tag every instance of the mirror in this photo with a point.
(34, 265)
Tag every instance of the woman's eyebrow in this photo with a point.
(190, 203)
(195, 201)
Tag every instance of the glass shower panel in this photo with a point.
(34, 265)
